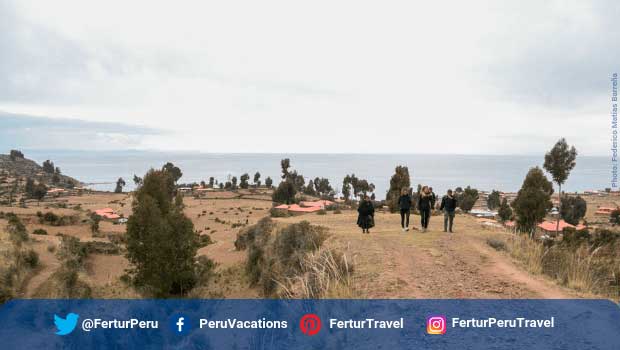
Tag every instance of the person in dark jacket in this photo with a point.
(366, 217)
(448, 205)
(424, 206)
(433, 198)
(404, 203)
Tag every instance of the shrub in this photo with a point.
(326, 274)
(39, 231)
(17, 229)
(247, 236)
(497, 244)
(504, 212)
(31, 258)
(275, 261)
(337, 211)
(321, 212)
(72, 252)
(204, 268)
(573, 209)
(5, 294)
(614, 218)
(295, 239)
(50, 218)
(204, 240)
(279, 213)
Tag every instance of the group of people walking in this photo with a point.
(426, 201)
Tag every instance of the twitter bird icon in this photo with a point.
(66, 325)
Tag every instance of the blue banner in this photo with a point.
(310, 324)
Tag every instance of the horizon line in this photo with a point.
(152, 150)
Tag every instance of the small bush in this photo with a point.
(497, 244)
(17, 229)
(279, 213)
(31, 258)
(204, 240)
(337, 211)
(321, 212)
(249, 235)
(205, 269)
(5, 294)
(39, 231)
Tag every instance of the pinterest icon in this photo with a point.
(310, 324)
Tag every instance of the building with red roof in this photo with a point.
(549, 227)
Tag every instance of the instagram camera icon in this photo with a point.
(436, 325)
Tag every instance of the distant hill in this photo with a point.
(25, 168)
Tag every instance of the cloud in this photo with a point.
(557, 54)
(259, 76)
(30, 132)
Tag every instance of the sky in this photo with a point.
(453, 77)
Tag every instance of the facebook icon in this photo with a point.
(179, 324)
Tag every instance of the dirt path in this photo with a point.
(393, 264)
(48, 263)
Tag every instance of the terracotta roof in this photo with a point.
(110, 216)
(320, 203)
(283, 206)
(551, 226)
(296, 208)
(608, 209)
(510, 224)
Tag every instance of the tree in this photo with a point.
(285, 164)
(16, 154)
(467, 199)
(48, 167)
(161, 241)
(173, 170)
(399, 180)
(493, 201)
(559, 162)
(504, 212)
(533, 200)
(211, 181)
(309, 189)
(573, 209)
(257, 179)
(39, 192)
(346, 187)
(120, 183)
(268, 182)
(244, 181)
(297, 180)
(322, 188)
(233, 183)
(29, 189)
(137, 180)
(284, 193)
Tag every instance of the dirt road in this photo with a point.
(393, 264)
